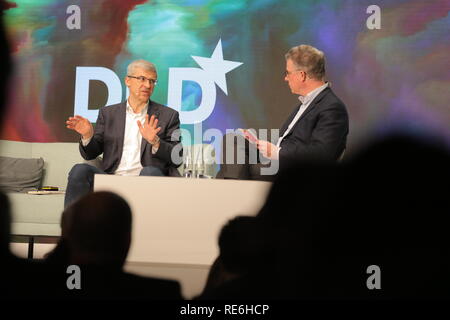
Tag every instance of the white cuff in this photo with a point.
(85, 142)
(154, 150)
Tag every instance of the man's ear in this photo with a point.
(127, 81)
(303, 76)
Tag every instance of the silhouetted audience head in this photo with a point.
(97, 229)
(328, 223)
(19, 278)
(5, 225)
(400, 215)
(385, 206)
(96, 236)
(241, 244)
(397, 180)
(243, 249)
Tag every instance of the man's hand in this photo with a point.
(268, 150)
(149, 130)
(80, 125)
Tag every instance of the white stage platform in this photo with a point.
(178, 220)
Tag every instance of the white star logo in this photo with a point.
(216, 67)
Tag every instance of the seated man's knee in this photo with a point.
(81, 170)
(151, 171)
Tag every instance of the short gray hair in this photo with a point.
(308, 59)
(143, 64)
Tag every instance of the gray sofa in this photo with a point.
(36, 218)
(38, 215)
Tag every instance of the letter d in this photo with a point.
(207, 85)
(83, 76)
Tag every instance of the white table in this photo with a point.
(178, 220)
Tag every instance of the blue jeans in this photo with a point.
(81, 180)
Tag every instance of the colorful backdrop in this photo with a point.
(221, 63)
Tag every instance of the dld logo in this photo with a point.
(212, 72)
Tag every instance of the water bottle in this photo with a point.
(199, 165)
(199, 171)
(187, 167)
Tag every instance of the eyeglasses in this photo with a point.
(142, 79)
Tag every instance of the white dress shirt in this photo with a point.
(130, 162)
(306, 101)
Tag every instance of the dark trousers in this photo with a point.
(81, 180)
(241, 160)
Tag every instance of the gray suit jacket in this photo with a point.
(109, 135)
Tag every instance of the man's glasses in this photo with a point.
(142, 79)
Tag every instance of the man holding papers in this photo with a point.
(316, 129)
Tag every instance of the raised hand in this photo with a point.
(80, 125)
(149, 130)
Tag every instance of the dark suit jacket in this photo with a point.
(321, 132)
(109, 135)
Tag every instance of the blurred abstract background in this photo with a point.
(395, 76)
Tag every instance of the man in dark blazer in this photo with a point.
(316, 130)
(136, 137)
